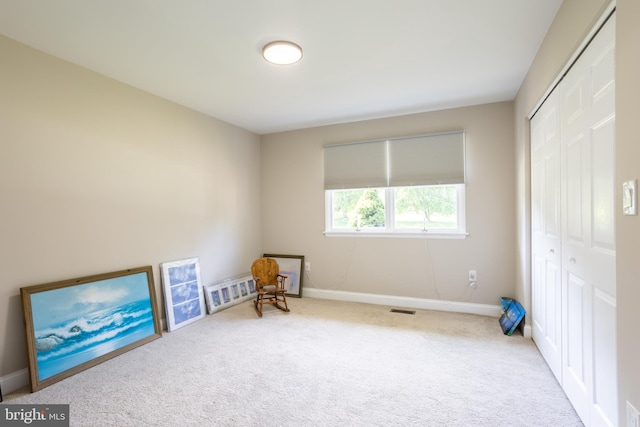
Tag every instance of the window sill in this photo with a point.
(408, 235)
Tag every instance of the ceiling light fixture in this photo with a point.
(282, 52)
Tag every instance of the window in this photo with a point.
(406, 186)
(429, 209)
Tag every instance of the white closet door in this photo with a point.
(588, 229)
(546, 234)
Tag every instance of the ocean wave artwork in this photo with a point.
(77, 324)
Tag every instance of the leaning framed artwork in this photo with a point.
(217, 297)
(291, 266)
(74, 324)
(183, 293)
(228, 292)
(213, 298)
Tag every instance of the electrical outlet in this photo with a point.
(473, 277)
(307, 267)
(633, 416)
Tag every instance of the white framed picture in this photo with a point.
(235, 291)
(183, 292)
(229, 292)
(213, 298)
(244, 291)
(247, 287)
(217, 296)
(226, 293)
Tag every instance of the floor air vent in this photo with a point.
(395, 310)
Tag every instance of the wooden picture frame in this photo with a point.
(72, 325)
(183, 293)
(292, 267)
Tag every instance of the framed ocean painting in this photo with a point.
(183, 293)
(74, 324)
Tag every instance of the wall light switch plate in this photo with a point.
(473, 276)
(630, 198)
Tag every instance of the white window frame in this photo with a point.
(389, 230)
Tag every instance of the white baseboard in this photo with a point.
(14, 381)
(406, 302)
(527, 331)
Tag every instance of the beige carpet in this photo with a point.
(326, 363)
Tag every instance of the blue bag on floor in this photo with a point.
(512, 315)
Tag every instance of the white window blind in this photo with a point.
(419, 160)
(357, 165)
(427, 160)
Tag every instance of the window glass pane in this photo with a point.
(426, 207)
(358, 209)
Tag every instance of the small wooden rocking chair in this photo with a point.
(270, 284)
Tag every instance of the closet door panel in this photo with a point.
(604, 363)
(602, 254)
(604, 370)
(546, 234)
(588, 266)
(574, 191)
(576, 343)
(576, 301)
(553, 307)
(603, 160)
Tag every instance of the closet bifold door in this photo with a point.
(573, 248)
(587, 133)
(546, 234)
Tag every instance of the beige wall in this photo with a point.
(293, 212)
(628, 228)
(573, 22)
(96, 176)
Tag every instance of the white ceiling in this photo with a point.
(362, 58)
